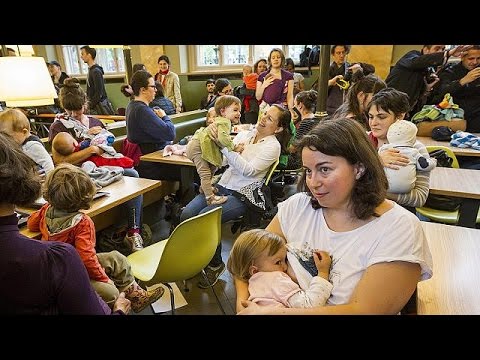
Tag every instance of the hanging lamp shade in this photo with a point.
(25, 81)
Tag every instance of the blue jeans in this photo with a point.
(231, 210)
(135, 203)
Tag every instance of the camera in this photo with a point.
(476, 82)
(348, 75)
(431, 75)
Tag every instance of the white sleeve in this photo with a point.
(270, 152)
(317, 294)
(422, 149)
(403, 239)
(39, 154)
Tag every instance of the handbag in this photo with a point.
(258, 200)
(443, 160)
(441, 202)
(104, 107)
(256, 196)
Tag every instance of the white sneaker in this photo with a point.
(135, 241)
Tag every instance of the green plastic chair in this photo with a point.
(442, 216)
(184, 254)
(449, 152)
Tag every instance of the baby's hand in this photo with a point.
(95, 130)
(239, 148)
(95, 150)
(322, 262)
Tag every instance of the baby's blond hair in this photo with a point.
(248, 247)
(16, 119)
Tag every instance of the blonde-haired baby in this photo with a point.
(206, 154)
(260, 257)
(16, 124)
(250, 78)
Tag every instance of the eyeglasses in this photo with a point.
(153, 86)
(226, 92)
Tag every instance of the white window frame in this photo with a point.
(84, 70)
(193, 51)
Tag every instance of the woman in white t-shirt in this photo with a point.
(379, 251)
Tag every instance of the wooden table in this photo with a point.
(454, 288)
(462, 183)
(428, 141)
(105, 211)
(187, 171)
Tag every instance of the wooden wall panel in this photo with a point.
(149, 55)
(378, 55)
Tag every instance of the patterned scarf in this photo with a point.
(164, 76)
(74, 127)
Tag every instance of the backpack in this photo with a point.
(304, 57)
(314, 56)
(113, 238)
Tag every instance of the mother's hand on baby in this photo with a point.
(392, 159)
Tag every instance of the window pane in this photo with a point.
(235, 54)
(294, 52)
(262, 51)
(120, 60)
(207, 55)
(71, 56)
(106, 59)
(110, 59)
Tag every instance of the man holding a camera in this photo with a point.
(462, 81)
(411, 73)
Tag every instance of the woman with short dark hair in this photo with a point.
(342, 210)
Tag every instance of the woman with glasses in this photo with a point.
(222, 87)
(148, 130)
